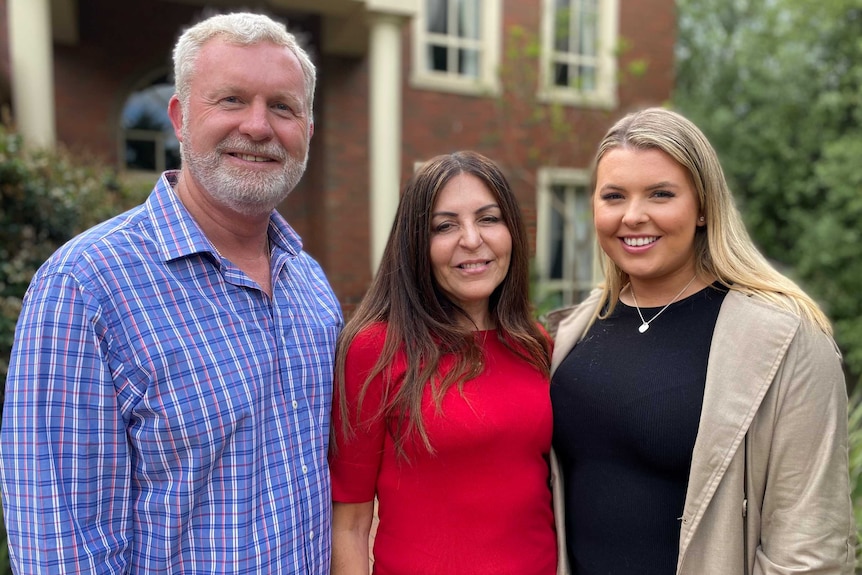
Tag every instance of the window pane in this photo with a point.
(140, 155)
(147, 109)
(587, 78)
(437, 58)
(468, 63)
(562, 26)
(561, 75)
(556, 232)
(588, 32)
(468, 18)
(583, 230)
(149, 135)
(436, 15)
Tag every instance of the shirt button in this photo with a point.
(305, 469)
(311, 535)
(295, 404)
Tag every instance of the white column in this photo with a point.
(385, 128)
(31, 56)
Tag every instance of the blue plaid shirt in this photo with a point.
(163, 414)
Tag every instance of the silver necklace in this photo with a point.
(644, 323)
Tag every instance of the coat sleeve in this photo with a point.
(807, 520)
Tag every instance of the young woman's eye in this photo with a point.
(610, 196)
(663, 194)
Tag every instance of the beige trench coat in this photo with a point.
(778, 381)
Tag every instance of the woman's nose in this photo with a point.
(635, 214)
(471, 237)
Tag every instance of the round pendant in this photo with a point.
(644, 326)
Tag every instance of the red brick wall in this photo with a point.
(121, 41)
(345, 238)
(649, 29)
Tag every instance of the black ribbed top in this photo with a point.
(626, 411)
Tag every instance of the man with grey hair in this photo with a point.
(168, 397)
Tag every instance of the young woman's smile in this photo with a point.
(646, 214)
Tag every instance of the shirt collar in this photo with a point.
(179, 235)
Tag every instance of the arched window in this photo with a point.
(148, 140)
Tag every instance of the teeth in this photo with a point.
(637, 242)
(471, 266)
(249, 158)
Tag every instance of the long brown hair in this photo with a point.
(422, 323)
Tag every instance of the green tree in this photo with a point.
(777, 87)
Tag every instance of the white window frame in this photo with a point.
(570, 289)
(487, 83)
(604, 96)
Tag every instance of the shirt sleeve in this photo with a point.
(356, 459)
(65, 463)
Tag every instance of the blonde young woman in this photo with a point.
(700, 410)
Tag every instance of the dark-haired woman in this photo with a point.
(442, 407)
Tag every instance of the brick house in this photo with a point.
(531, 83)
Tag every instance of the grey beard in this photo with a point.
(248, 193)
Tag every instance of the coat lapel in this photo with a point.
(744, 357)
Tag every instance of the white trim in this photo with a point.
(384, 109)
(605, 94)
(31, 59)
(489, 46)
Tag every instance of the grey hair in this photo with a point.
(241, 29)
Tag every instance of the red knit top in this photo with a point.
(481, 504)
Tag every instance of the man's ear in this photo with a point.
(175, 112)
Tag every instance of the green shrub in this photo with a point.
(46, 197)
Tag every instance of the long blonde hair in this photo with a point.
(723, 248)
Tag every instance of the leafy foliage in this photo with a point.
(46, 198)
(777, 87)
